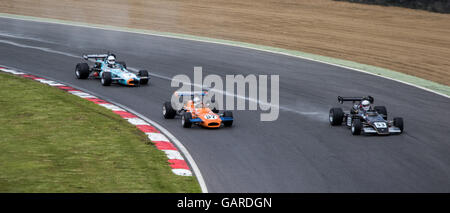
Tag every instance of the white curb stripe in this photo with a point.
(82, 94)
(112, 107)
(12, 72)
(173, 154)
(137, 121)
(182, 172)
(157, 137)
(51, 83)
(6, 70)
(57, 85)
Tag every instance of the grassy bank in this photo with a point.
(52, 141)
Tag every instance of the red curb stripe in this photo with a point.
(38, 78)
(124, 114)
(164, 145)
(178, 164)
(97, 101)
(28, 76)
(147, 128)
(66, 88)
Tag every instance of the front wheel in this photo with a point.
(229, 115)
(398, 122)
(82, 71)
(143, 73)
(186, 120)
(106, 79)
(356, 127)
(336, 116)
(168, 111)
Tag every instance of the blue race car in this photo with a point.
(109, 71)
(362, 118)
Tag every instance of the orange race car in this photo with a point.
(194, 111)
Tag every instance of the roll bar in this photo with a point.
(341, 100)
(202, 93)
(98, 56)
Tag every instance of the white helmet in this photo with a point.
(111, 60)
(365, 104)
(197, 102)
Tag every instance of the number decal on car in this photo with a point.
(380, 124)
(210, 116)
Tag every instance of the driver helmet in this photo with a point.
(111, 60)
(197, 102)
(365, 104)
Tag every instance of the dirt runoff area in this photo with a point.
(410, 41)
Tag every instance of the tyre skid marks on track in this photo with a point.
(177, 162)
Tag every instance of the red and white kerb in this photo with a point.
(161, 142)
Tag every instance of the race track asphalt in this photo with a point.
(299, 152)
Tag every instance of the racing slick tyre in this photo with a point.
(168, 111)
(356, 127)
(215, 110)
(398, 122)
(336, 116)
(106, 79)
(228, 114)
(82, 71)
(143, 73)
(186, 120)
(381, 110)
(124, 65)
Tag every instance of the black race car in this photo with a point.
(371, 121)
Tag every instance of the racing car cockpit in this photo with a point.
(198, 102)
(363, 106)
(371, 113)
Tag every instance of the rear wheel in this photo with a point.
(382, 111)
(186, 120)
(82, 71)
(336, 116)
(106, 79)
(143, 73)
(228, 114)
(356, 127)
(398, 122)
(168, 111)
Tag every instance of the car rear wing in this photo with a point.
(95, 56)
(341, 100)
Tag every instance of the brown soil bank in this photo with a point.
(410, 41)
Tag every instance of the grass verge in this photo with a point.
(55, 142)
